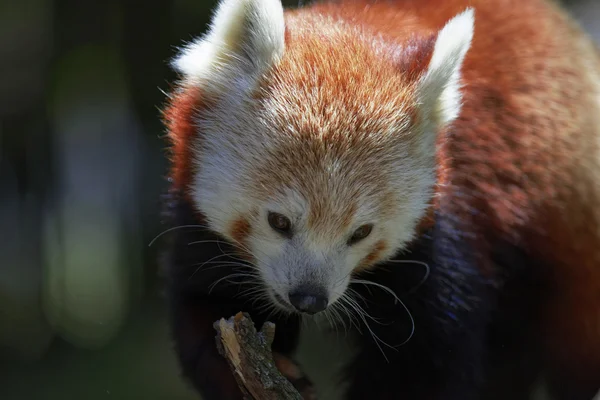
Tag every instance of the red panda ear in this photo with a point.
(439, 87)
(244, 38)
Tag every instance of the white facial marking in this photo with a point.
(306, 258)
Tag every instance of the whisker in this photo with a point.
(424, 264)
(339, 315)
(173, 229)
(330, 317)
(214, 284)
(258, 289)
(237, 245)
(361, 314)
(219, 242)
(382, 287)
(355, 293)
(275, 310)
(235, 266)
(211, 260)
(204, 263)
(353, 301)
(390, 291)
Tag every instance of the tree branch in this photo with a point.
(249, 356)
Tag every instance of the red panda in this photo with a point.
(314, 149)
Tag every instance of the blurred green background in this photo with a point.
(82, 165)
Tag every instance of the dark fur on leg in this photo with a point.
(444, 359)
(564, 385)
(200, 294)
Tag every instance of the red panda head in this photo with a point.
(314, 145)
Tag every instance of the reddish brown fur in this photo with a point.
(292, 371)
(373, 257)
(240, 229)
(317, 215)
(321, 135)
(416, 55)
(178, 117)
(287, 367)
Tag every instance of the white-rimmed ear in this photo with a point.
(247, 35)
(439, 88)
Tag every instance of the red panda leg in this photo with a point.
(444, 358)
(294, 373)
(194, 337)
(569, 328)
(192, 320)
(572, 342)
(196, 302)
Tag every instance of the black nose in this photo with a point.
(308, 300)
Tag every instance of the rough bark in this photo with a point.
(249, 355)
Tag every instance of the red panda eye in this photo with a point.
(280, 223)
(361, 233)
